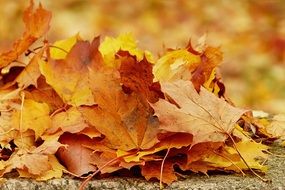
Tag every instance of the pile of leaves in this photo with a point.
(83, 107)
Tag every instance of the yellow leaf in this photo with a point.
(25, 140)
(126, 42)
(175, 65)
(59, 48)
(56, 170)
(2, 164)
(34, 116)
(70, 77)
(251, 151)
(70, 120)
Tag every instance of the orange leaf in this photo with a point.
(137, 76)
(152, 170)
(70, 77)
(45, 93)
(37, 24)
(210, 59)
(76, 157)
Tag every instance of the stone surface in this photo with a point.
(276, 174)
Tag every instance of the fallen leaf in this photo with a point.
(44, 93)
(210, 59)
(277, 126)
(33, 115)
(175, 65)
(70, 120)
(60, 49)
(126, 125)
(126, 42)
(34, 164)
(152, 169)
(56, 170)
(206, 117)
(177, 140)
(31, 72)
(70, 77)
(37, 24)
(136, 76)
(252, 152)
(76, 157)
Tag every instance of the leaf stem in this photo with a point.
(161, 169)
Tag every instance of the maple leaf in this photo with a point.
(60, 49)
(203, 115)
(76, 157)
(137, 76)
(44, 93)
(252, 153)
(125, 42)
(69, 76)
(31, 72)
(37, 162)
(70, 120)
(32, 115)
(126, 124)
(37, 24)
(152, 169)
(177, 140)
(210, 59)
(277, 126)
(174, 65)
(56, 171)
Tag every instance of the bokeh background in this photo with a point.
(251, 33)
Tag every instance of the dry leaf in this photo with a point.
(206, 117)
(37, 24)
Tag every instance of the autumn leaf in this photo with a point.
(56, 171)
(125, 42)
(76, 157)
(70, 120)
(252, 152)
(89, 107)
(210, 59)
(37, 24)
(137, 76)
(177, 140)
(33, 115)
(277, 126)
(69, 76)
(35, 164)
(44, 93)
(152, 169)
(175, 65)
(60, 49)
(31, 72)
(126, 125)
(206, 117)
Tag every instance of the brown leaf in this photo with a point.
(152, 170)
(205, 116)
(137, 76)
(76, 157)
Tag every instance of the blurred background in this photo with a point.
(251, 34)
